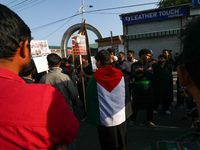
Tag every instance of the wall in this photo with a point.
(157, 44)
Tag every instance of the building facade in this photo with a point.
(155, 29)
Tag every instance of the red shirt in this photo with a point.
(33, 116)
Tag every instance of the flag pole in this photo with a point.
(83, 83)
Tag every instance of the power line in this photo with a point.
(27, 3)
(106, 13)
(91, 12)
(31, 5)
(120, 7)
(54, 22)
(11, 2)
(19, 3)
(60, 27)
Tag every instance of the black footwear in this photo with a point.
(83, 118)
(177, 106)
(74, 107)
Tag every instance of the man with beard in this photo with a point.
(151, 60)
(162, 84)
(121, 59)
(142, 92)
(126, 67)
(33, 116)
(169, 59)
(113, 61)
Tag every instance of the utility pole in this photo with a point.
(83, 10)
(111, 35)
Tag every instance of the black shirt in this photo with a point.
(115, 64)
(87, 70)
(147, 73)
(121, 62)
(162, 78)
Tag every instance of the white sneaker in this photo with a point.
(167, 112)
(155, 111)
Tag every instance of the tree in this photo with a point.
(166, 3)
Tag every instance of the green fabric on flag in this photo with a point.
(92, 103)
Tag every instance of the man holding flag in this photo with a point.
(107, 103)
(85, 70)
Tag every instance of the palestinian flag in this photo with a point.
(105, 97)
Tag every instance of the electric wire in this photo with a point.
(91, 12)
(27, 3)
(32, 5)
(60, 27)
(11, 2)
(18, 4)
(120, 7)
(49, 24)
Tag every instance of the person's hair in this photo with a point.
(111, 50)
(28, 70)
(121, 53)
(64, 59)
(85, 57)
(53, 59)
(165, 50)
(104, 57)
(162, 56)
(177, 53)
(131, 51)
(144, 52)
(13, 30)
(191, 49)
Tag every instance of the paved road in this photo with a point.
(140, 135)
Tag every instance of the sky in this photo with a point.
(43, 16)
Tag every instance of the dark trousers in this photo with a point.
(74, 102)
(142, 103)
(81, 94)
(162, 98)
(149, 114)
(113, 138)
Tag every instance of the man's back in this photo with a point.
(61, 82)
(105, 97)
(31, 115)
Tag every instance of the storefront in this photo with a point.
(155, 29)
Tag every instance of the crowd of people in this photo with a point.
(40, 116)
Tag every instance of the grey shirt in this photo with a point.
(127, 66)
(61, 82)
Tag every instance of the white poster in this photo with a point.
(93, 61)
(39, 48)
(41, 63)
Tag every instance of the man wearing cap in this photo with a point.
(162, 84)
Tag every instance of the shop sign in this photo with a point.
(154, 15)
